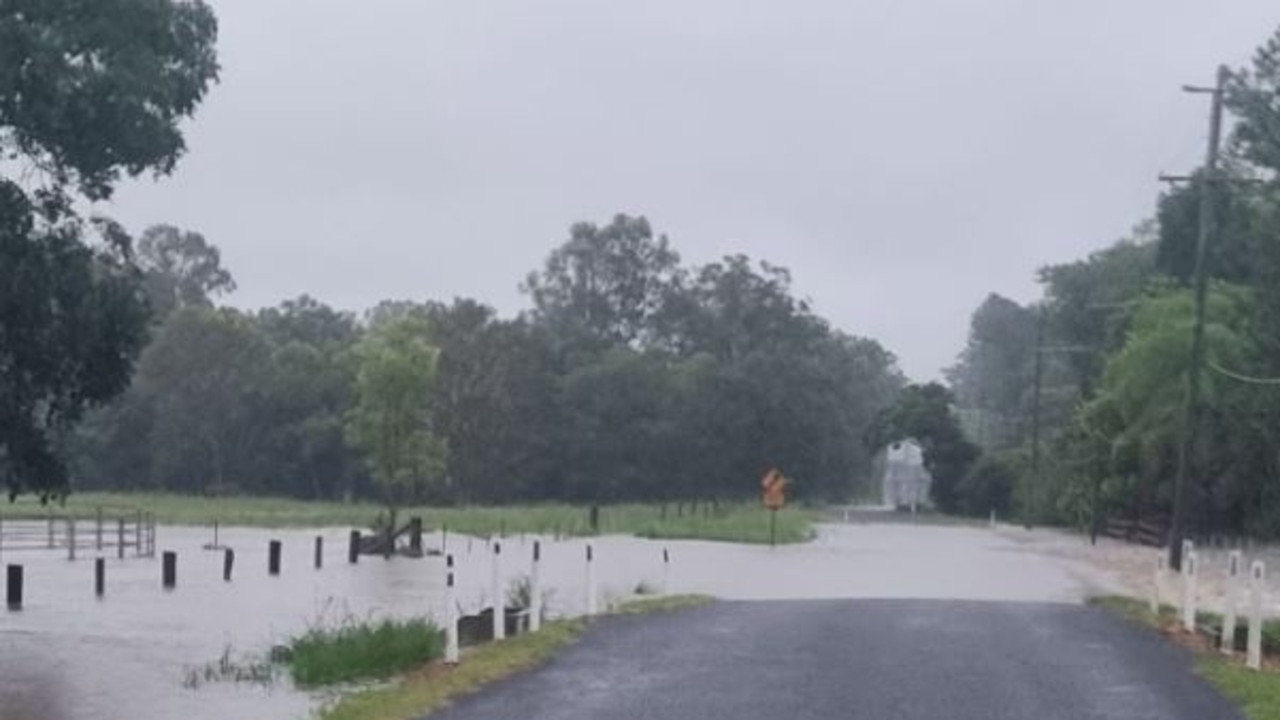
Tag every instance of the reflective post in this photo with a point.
(1257, 580)
(499, 605)
(1157, 582)
(535, 589)
(1189, 571)
(591, 581)
(450, 616)
(1231, 602)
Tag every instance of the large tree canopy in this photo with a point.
(90, 92)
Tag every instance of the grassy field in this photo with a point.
(731, 522)
(362, 651)
(1256, 692)
(433, 687)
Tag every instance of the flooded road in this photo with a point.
(70, 656)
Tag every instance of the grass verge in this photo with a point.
(362, 651)
(1257, 693)
(434, 686)
(730, 522)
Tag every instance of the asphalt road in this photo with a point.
(873, 659)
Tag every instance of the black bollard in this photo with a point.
(228, 562)
(100, 577)
(169, 571)
(13, 587)
(319, 552)
(353, 549)
(273, 557)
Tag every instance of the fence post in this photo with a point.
(228, 563)
(120, 539)
(591, 581)
(13, 587)
(98, 530)
(169, 570)
(52, 544)
(535, 588)
(71, 538)
(1189, 592)
(137, 548)
(319, 551)
(353, 547)
(273, 557)
(450, 616)
(1231, 602)
(1257, 578)
(499, 602)
(99, 577)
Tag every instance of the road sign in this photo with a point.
(774, 484)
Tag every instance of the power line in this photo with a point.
(1242, 378)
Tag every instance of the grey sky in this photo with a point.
(903, 158)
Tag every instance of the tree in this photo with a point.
(923, 413)
(204, 378)
(495, 402)
(181, 270)
(1137, 417)
(605, 284)
(1087, 302)
(994, 374)
(391, 419)
(89, 92)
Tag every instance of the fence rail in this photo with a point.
(106, 530)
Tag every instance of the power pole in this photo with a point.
(1037, 486)
(1187, 451)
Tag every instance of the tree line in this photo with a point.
(633, 377)
(1080, 397)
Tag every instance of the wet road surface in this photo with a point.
(70, 656)
(874, 659)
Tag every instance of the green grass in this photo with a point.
(730, 522)
(665, 603)
(1256, 692)
(434, 687)
(362, 651)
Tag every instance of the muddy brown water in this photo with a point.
(71, 656)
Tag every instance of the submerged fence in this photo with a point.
(124, 532)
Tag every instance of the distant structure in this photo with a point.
(906, 482)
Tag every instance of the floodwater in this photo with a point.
(70, 656)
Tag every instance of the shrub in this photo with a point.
(362, 650)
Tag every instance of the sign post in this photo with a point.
(775, 497)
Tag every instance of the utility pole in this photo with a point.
(1037, 482)
(1188, 450)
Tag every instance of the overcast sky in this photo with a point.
(903, 158)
